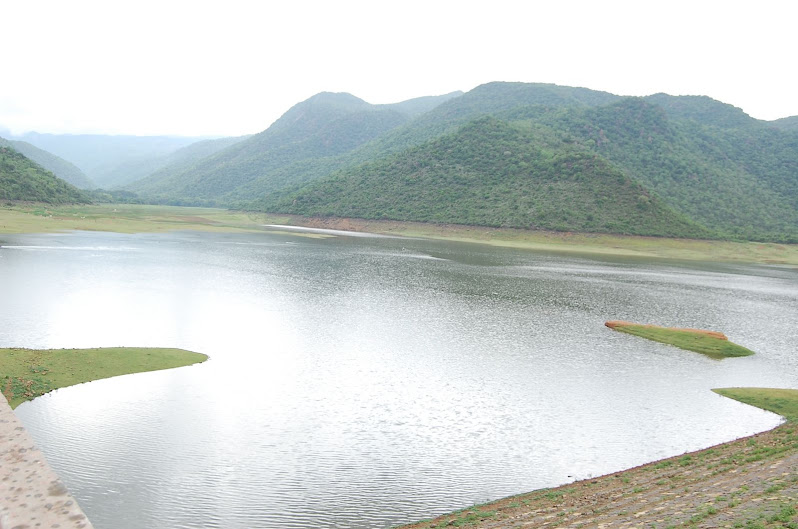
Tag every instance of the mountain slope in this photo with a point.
(790, 123)
(702, 109)
(184, 158)
(22, 179)
(323, 126)
(491, 173)
(487, 99)
(58, 166)
(420, 105)
(109, 160)
(739, 181)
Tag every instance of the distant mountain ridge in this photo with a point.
(108, 160)
(322, 127)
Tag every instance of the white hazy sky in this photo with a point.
(232, 67)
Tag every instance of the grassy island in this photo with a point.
(28, 373)
(711, 343)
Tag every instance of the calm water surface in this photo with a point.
(362, 382)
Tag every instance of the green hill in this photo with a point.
(329, 132)
(323, 126)
(702, 109)
(738, 181)
(790, 123)
(23, 179)
(164, 167)
(58, 166)
(491, 173)
(107, 160)
(705, 167)
(487, 99)
(420, 105)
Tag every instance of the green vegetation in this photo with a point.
(109, 160)
(686, 166)
(491, 173)
(710, 343)
(781, 401)
(128, 218)
(739, 181)
(28, 373)
(324, 126)
(712, 167)
(22, 179)
(58, 166)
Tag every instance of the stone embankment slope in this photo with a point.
(749, 483)
(31, 495)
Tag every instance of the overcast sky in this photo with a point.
(232, 67)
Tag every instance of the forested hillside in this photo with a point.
(23, 179)
(323, 126)
(737, 180)
(287, 154)
(491, 173)
(790, 123)
(678, 165)
(58, 166)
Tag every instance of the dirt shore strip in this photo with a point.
(31, 495)
(749, 483)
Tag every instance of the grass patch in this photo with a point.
(781, 401)
(127, 218)
(28, 373)
(465, 518)
(709, 343)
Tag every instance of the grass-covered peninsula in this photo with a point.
(28, 373)
(710, 343)
(781, 401)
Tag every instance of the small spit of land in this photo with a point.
(132, 218)
(748, 483)
(28, 373)
(710, 343)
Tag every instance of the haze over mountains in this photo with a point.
(503, 154)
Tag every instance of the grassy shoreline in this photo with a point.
(132, 218)
(28, 373)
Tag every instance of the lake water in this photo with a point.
(362, 382)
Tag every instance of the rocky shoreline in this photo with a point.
(749, 483)
(31, 494)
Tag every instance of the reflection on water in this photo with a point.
(364, 382)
